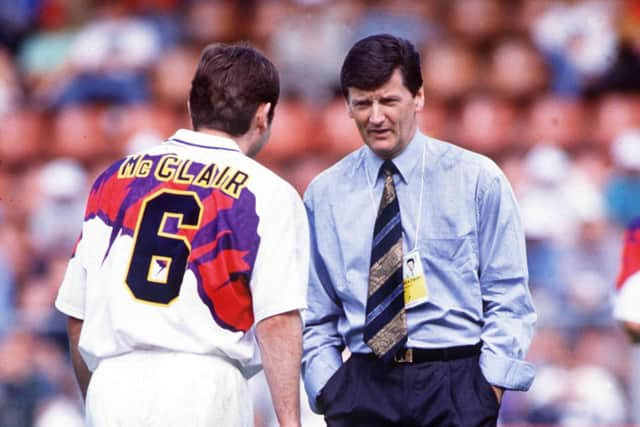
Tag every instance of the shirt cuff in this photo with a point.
(317, 375)
(511, 374)
(68, 309)
(299, 306)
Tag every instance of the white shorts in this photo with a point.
(627, 301)
(168, 389)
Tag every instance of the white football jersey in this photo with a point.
(185, 247)
(627, 298)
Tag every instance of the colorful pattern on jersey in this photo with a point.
(630, 253)
(223, 248)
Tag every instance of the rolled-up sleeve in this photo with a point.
(509, 314)
(322, 344)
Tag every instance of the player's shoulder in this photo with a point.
(111, 171)
(451, 155)
(473, 168)
(107, 174)
(264, 180)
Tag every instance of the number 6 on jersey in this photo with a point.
(159, 255)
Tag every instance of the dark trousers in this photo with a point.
(369, 392)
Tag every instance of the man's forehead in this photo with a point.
(355, 93)
(393, 86)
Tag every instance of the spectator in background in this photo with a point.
(573, 396)
(311, 72)
(477, 22)
(59, 409)
(63, 189)
(35, 309)
(7, 293)
(23, 388)
(579, 42)
(556, 120)
(21, 143)
(586, 268)
(614, 112)
(574, 386)
(42, 56)
(545, 168)
(558, 203)
(108, 59)
(623, 188)
(170, 77)
(488, 125)
(10, 90)
(16, 18)
(553, 181)
(205, 21)
(414, 20)
(517, 71)
(624, 73)
(78, 132)
(451, 70)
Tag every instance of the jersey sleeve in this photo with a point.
(630, 259)
(71, 295)
(280, 276)
(627, 300)
(627, 297)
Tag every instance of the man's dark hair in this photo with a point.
(371, 61)
(231, 81)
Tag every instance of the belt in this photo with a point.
(420, 355)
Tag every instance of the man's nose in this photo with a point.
(377, 116)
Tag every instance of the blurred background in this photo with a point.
(550, 89)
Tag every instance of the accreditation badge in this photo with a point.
(413, 279)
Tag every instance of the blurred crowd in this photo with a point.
(550, 89)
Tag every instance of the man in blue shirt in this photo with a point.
(439, 347)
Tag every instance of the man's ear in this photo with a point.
(262, 116)
(418, 100)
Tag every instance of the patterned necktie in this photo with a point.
(385, 329)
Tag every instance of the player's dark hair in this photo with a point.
(231, 81)
(371, 61)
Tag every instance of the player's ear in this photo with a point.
(190, 116)
(262, 116)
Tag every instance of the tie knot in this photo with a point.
(388, 168)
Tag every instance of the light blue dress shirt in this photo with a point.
(471, 244)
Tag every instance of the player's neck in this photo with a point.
(238, 140)
(215, 132)
(249, 143)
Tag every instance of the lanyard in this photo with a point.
(373, 203)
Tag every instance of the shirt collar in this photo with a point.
(203, 140)
(406, 161)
